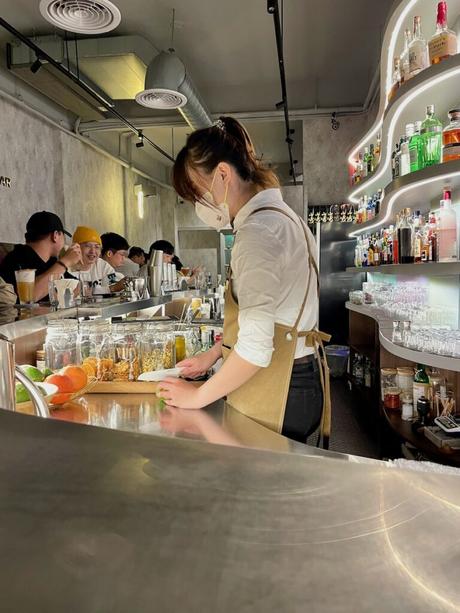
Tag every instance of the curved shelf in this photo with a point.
(434, 269)
(419, 357)
(419, 187)
(392, 46)
(438, 85)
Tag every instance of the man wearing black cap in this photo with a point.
(44, 242)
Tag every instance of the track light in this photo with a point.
(335, 124)
(140, 144)
(36, 66)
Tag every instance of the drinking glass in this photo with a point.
(52, 293)
(25, 283)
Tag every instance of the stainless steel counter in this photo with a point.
(96, 520)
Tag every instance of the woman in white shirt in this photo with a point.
(270, 371)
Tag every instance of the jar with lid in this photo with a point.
(451, 133)
(96, 347)
(126, 346)
(405, 379)
(158, 347)
(388, 379)
(392, 398)
(61, 344)
(407, 407)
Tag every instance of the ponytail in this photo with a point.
(226, 141)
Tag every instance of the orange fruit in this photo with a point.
(60, 398)
(77, 375)
(89, 369)
(63, 383)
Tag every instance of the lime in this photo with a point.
(22, 395)
(47, 372)
(33, 373)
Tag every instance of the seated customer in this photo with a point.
(7, 294)
(114, 251)
(135, 260)
(94, 270)
(44, 242)
(166, 247)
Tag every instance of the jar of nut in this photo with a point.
(96, 348)
(126, 346)
(158, 347)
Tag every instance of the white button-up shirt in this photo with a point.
(270, 272)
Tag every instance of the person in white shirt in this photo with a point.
(133, 263)
(114, 251)
(95, 271)
(270, 372)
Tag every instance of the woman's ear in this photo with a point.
(225, 172)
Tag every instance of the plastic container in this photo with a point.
(61, 344)
(337, 359)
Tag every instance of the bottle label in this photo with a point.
(442, 46)
(418, 59)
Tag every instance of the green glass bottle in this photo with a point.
(416, 149)
(431, 138)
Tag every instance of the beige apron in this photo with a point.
(264, 397)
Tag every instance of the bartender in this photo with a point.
(270, 370)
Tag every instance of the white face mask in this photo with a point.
(212, 214)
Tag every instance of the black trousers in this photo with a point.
(305, 402)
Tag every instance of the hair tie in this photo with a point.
(220, 125)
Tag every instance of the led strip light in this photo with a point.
(389, 75)
(399, 193)
(409, 98)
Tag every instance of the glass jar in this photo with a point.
(388, 379)
(158, 347)
(407, 407)
(392, 398)
(405, 379)
(61, 344)
(96, 347)
(126, 346)
(451, 133)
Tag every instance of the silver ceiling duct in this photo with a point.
(169, 86)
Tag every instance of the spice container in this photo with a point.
(405, 379)
(392, 398)
(126, 346)
(158, 347)
(96, 347)
(61, 344)
(388, 379)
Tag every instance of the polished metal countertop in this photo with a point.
(97, 520)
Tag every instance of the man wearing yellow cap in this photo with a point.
(94, 270)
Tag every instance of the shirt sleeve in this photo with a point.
(256, 268)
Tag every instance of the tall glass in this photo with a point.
(25, 283)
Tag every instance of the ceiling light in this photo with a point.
(81, 16)
(140, 144)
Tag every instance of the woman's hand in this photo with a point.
(179, 393)
(199, 364)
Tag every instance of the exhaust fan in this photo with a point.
(168, 86)
(81, 16)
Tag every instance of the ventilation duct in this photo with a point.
(169, 86)
(81, 16)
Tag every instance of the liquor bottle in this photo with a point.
(365, 162)
(397, 161)
(404, 164)
(421, 384)
(425, 241)
(367, 373)
(417, 238)
(451, 134)
(433, 238)
(370, 160)
(404, 65)
(447, 234)
(396, 241)
(405, 239)
(377, 151)
(377, 251)
(443, 43)
(431, 134)
(396, 79)
(418, 50)
(415, 148)
(370, 254)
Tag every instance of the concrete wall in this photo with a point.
(52, 170)
(325, 167)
